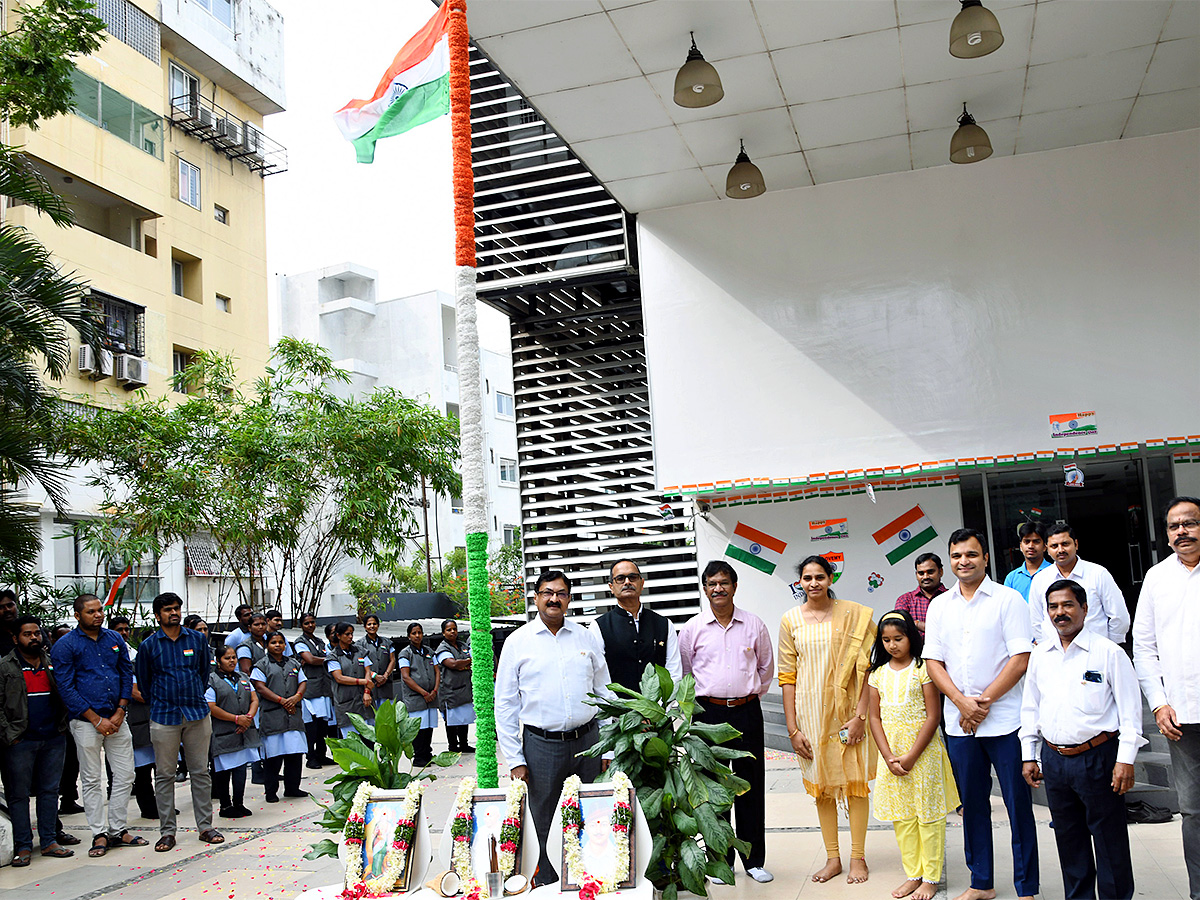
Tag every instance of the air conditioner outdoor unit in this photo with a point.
(131, 370)
(104, 365)
(250, 138)
(87, 360)
(205, 116)
(228, 128)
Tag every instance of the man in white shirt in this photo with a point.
(1107, 616)
(1168, 666)
(1081, 701)
(976, 649)
(547, 669)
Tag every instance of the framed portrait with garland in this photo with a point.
(381, 832)
(478, 816)
(599, 843)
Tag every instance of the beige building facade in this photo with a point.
(163, 162)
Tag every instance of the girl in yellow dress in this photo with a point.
(824, 653)
(917, 788)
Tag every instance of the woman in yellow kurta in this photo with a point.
(824, 653)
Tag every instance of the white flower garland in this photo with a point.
(460, 831)
(393, 863)
(621, 823)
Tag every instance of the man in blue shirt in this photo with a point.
(241, 634)
(95, 681)
(172, 675)
(1033, 548)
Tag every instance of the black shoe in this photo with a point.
(180, 777)
(228, 812)
(69, 808)
(242, 812)
(1141, 812)
(466, 748)
(313, 764)
(295, 793)
(66, 838)
(151, 814)
(272, 798)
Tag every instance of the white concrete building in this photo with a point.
(409, 343)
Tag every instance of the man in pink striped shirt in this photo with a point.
(729, 652)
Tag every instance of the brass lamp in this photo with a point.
(697, 83)
(974, 32)
(744, 179)
(970, 143)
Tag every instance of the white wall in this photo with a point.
(769, 596)
(924, 315)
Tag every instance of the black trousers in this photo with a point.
(1089, 823)
(315, 733)
(750, 809)
(292, 764)
(549, 763)
(229, 787)
(457, 736)
(423, 746)
(68, 785)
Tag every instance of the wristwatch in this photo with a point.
(861, 716)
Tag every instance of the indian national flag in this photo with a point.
(903, 535)
(118, 588)
(755, 548)
(414, 90)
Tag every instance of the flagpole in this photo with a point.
(471, 444)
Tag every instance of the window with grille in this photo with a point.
(132, 25)
(122, 324)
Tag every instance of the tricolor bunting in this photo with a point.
(755, 548)
(414, 90)
(904, 534)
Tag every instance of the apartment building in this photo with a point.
(163, 162)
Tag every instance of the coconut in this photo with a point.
(514, 884)
(449, 884)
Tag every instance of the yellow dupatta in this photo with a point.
(843, 770)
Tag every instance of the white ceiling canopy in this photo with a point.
(829, 90)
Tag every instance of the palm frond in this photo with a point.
(20, 181)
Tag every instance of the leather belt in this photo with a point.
(573, 735)
(729, 701)
(1076, 749)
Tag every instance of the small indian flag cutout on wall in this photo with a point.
(904, 534)
(755, 548)
(827, 529)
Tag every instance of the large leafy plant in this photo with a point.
(682, 776)
(386, 765)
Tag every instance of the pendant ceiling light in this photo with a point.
(697, 82)
(974, 32)
(970, 143)
(744, 179)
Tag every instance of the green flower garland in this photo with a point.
(483, 684)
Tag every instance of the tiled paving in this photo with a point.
(262, 858)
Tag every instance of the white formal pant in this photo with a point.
(118, 747)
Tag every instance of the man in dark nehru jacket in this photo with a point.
(632, 634)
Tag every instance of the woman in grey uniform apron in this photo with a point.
(235, 740)
(420, 677)
(383, 660)
(350, 670)
(279, 682)
(319, 720)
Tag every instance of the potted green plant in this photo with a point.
(386, 764)
(682, 777)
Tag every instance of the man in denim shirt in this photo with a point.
(172, 675)
(95, 681)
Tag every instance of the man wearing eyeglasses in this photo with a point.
(1164, 653)
(547, 669)
(633, 635)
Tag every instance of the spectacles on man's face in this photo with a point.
(632, 577)
(1186, 524)
(554, 595)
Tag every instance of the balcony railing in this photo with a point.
(236, 138)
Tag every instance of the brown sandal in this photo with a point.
(212, 836)
(165, 843)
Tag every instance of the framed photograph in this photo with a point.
(382, 815)
(597, 842)
(487, 818)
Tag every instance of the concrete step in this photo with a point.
(1153, 768)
